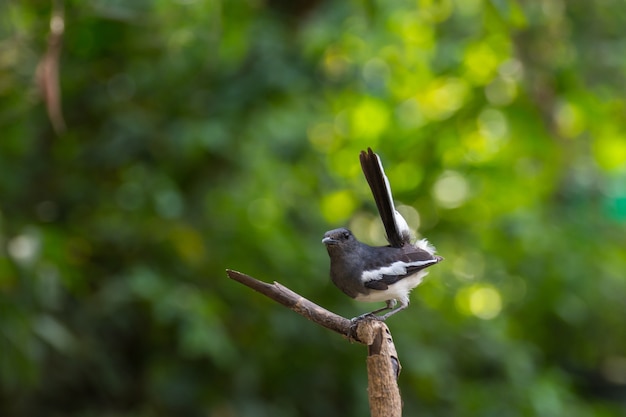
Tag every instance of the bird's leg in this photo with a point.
(390, 304)
(402, 306)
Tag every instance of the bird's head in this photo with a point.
(339, 239)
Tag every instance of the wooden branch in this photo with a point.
(383, 366)
(296, 302)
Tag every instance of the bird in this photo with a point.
(379, 273)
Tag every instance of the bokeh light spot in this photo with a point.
(480, 300)
(369, 118)
(483, 58)
(614, 369)
(169, 204)
(570, 120)
(485, 303)
(451, 190)
(338, 206)
(443, 97)
(609, 149)
(493, 124)
(409, 114)
(501, 91)
(24, 248)
(375, 70)
(405, 176)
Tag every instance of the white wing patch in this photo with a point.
(396, 268)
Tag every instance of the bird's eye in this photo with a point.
(346, 235)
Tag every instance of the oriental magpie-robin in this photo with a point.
(383, 273)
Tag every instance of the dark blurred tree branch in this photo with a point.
(47, 74)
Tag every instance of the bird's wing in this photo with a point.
(398, 232)
(394, 267)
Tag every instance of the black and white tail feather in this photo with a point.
(385, 273)
(397, 229)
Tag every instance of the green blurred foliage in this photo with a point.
(205, 135)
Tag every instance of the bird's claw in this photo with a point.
(354, 322)
(366, 316)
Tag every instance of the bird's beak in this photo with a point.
(329, 241)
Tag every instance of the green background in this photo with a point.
(206, 134)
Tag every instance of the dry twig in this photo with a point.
(383, 366)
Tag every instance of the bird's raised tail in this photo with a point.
(398, 232)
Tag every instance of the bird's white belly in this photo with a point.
(397, 291)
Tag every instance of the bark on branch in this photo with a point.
(383, 366)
